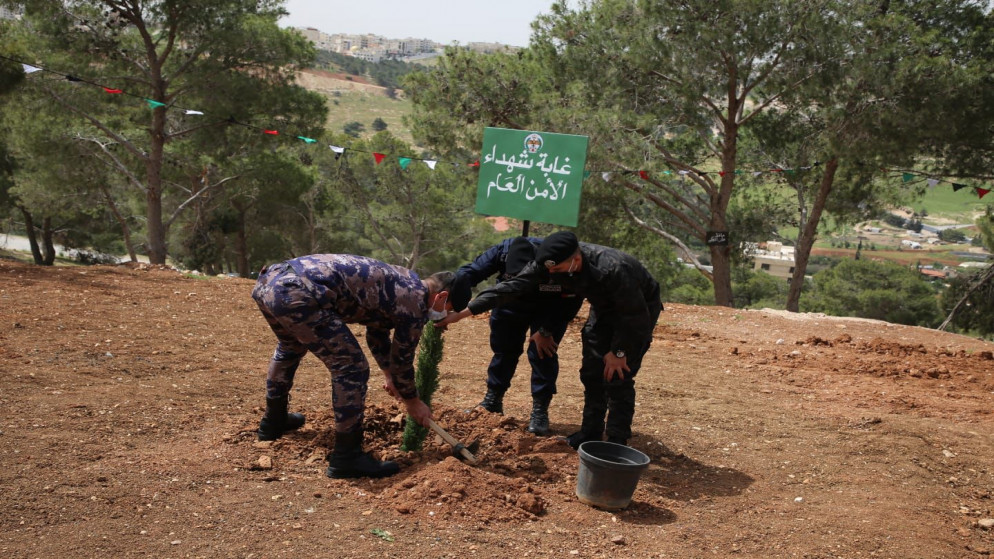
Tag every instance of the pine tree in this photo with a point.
(426, 379)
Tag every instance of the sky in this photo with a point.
(442, 21)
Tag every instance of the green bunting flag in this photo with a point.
(154, 104)
(404, 162)
(907, 177)
(307, 140)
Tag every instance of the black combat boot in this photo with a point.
(277, 421)
(493, 402)
(539, 423)
(348, 460)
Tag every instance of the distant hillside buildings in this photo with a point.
(374, 48)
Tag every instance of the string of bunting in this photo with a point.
(405, 161)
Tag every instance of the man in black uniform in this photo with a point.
(545, 313)
(624, 307)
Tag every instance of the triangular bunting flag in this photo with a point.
(957, 186)
(307, 140)
(378, 157)
(404, 162)
(338, 151)
(113, 91)
(757, 173)
(667, 172)
(192, 112)
(721, 173)
(586, 175)
(154, 104)
(683, 172)
(981, 192)
(73, 78)
(430, 163)
(644, 175)
(606, 176)
(271, 132)
(932, 182)
(29, 69)
(907, 177)
(475, 164)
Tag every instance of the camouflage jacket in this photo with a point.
(380, 296)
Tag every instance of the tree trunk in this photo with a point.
(29, 230)
(806, 236)
(125, 230)
(47, 242)
(241, 247)
(153, 195)
(721, 260)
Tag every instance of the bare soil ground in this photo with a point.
(130, 398)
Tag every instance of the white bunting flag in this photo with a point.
(193, 112)
(337, 149)
(932, 182)
(430, 163)
(28, 69)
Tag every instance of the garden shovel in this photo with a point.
(459, 450)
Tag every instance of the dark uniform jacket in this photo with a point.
(556, 301)
(623, 295)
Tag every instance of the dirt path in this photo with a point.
(131, 397)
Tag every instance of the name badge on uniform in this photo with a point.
(550, 288)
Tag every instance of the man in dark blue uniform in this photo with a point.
(545, 313)
(624, 306)
(309, 303)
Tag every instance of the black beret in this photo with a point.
(519, 253)
(461, 292)
(556, 248)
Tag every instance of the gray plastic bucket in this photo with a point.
(608, 474)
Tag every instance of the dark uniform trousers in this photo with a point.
(508, 330)
(615, 398)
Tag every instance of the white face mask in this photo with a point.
(434, 315)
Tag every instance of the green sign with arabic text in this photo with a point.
(533, 176)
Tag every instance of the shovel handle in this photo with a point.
(456, 445)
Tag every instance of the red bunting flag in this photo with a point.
(379, 157)
(271, 132)
(721, 173)
(644, 175)
(109, 90)
(982, 191)
(475, 164)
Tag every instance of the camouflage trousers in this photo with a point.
(303, 320)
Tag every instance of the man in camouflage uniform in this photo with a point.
(309, 302)
(545, 313)
(624, 306)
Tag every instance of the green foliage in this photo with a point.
(414, 217)
(689, 287)
(757, 289)
(870, 289)
(952, 235)
(194, 54)
(354, 128)
(386, 73)
(974, 315)
(426, 377)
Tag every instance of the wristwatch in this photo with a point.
(619, 353)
